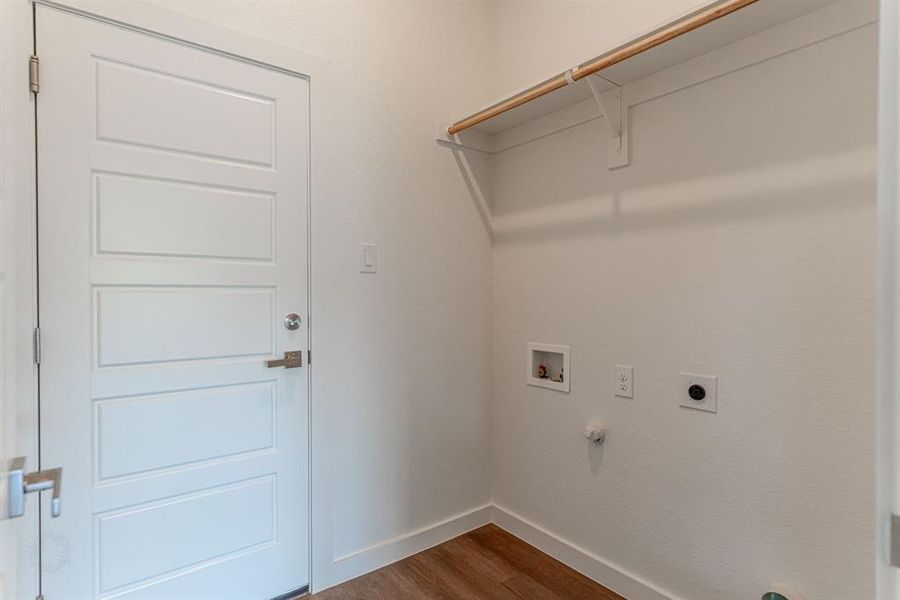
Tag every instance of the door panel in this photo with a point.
(167, 324)
(156, 539)
(148, 217)
(127, 429)
(214, 121)
(173, 219)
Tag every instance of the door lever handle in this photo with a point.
(291, 360)
(21, 483)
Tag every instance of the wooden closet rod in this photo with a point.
(595, 65)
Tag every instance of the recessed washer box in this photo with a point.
(548, 366)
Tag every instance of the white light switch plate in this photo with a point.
(368, 258)
(624, 381)
(709, 383)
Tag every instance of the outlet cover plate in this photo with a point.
(710, 403)
(624, 381)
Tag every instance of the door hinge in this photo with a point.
(34, 81)
(37, 345)
(308, 357)
(895, 541)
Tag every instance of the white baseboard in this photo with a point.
(382, 554)
(607, 574)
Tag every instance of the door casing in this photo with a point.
(152, 19)
(18, 401)
(887, 577)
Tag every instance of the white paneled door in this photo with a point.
(172, 200)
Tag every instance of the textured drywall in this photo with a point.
(531, 41)
(738, 243)
(400, 358)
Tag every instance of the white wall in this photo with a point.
(742, 246)
(401, 358)
(739, 243)
(532, 41)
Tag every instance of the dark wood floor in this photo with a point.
(487, 563)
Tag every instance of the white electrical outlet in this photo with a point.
(699, 392)
(624, 381)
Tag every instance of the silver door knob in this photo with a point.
(292, 321)
(21, 483)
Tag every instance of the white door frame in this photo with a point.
(888, 296)
(18, 401)
(19, 140)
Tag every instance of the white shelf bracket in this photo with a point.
(467, 140)
(615, 114)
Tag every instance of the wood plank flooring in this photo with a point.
(487, 563)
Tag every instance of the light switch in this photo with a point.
(368, 258)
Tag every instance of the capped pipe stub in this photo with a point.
(595, 431)
(781, 591)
